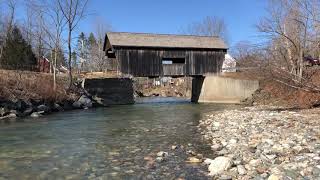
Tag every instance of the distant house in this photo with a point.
(229, 64)
(44, 65)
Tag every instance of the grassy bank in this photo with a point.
(24, 93)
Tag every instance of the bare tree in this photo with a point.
(289, 24)
(209, 26)
(99, 63)
(73, 12)
(8, 22)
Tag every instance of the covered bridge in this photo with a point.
(153, 55)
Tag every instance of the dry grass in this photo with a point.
(31, 85)
(95, 75)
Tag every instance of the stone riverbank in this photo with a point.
(263, 143)
(10, 110)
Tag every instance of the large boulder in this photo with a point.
(67, 105)
(83, 102)
(43, 108)
(20, 105)
(27, 112)
(219, 165)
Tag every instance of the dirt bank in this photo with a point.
(272, 92)
(24, 93)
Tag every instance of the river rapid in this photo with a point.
(119, 142)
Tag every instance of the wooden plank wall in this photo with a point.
(148, 62)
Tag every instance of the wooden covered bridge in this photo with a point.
(154, 55)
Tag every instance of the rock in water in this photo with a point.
(57, 107)
(4, 111)
(85, 101)
(10, 116)
(76, 105)
(43, 108)
(36, 114)
(27, 112)
(162, 154)
(219, 165)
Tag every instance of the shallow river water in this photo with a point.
(119, 142)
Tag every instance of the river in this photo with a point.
(118, 142)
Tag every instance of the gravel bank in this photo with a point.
(264, 143)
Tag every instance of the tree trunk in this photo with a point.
(69, 58)
(54, 70)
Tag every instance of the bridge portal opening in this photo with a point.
(172, 61)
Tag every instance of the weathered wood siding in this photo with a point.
(173, 69)
(148, 62)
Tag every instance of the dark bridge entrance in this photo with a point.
(154, 55)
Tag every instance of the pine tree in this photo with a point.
(17, 53)
(92, 41)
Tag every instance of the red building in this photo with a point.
(44, 65)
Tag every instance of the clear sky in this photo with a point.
(170, 16)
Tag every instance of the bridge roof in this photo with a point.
(124, 39)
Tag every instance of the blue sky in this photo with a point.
(170, 16)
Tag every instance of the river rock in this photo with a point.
(9, 116)
(37, 114)
(43, 108)
(162, 154)
(194, 160)
(77, 105)
(174, 147)
(57, 107)
(274, 177)
(3, 111)
(241, 170)
(160, 159)
(85, 101)
(27, 112)
(20, 105)
(219, 165)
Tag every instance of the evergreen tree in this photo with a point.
(82, 46)
(17, 53)
(92, 41)
(82, 51)
(74, 59)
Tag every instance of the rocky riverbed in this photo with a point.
(263, 143)
(12, 109)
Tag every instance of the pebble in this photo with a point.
(241, 170)
(259, 141)
(162, 154)
(194, 160)
(174, 147)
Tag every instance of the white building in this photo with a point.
(229, 64)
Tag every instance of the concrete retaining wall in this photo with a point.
(217, 89)
(112, 91)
